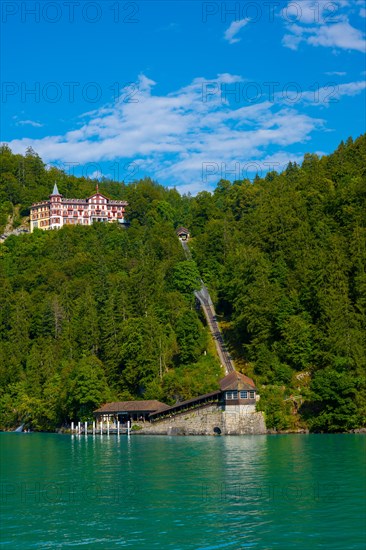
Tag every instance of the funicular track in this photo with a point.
(204, 298)
(209, 311)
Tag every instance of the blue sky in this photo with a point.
(185, 92)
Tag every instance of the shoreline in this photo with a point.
(142, 432)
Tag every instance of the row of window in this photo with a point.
(71, 221)
(94, 207)
(36, 216)
(40, 216)
(75, 218)
(242, 394)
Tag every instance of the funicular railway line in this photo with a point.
(208, 309)
(204, 298)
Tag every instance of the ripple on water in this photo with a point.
(259, 492)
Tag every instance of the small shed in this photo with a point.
(183, 233)
(129, 410)
(238, 389)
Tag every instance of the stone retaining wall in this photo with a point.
(210, 420)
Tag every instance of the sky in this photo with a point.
(186, 92)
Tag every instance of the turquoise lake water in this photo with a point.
(147, 492)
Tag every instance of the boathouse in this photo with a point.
(231, 409)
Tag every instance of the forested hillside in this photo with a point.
(90, 314)
(286, 258)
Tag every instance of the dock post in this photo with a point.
(72, 427)
(108, 426)
(101, 427)
(93, 427)
(86, 428)
(118, 427)
(79, 428)
(128, 427)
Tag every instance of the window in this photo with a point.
(244, 394)
(251, 394)
(232, 394)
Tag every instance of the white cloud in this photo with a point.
(96, 175)
(293, 40)
(322, 96)
(322, 23)
(338, 36)
(335, 73)
(29, 123)
(314, 12)
(362, 12)
(173, 136)
(333, 93)
(233, 30)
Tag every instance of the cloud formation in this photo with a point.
(323, 24)
(173, 137)
(29, 123)
(233, 30)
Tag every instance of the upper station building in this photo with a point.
(58, 211)
(183, 233)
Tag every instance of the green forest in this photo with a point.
(92, 314)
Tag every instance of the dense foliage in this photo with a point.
(98, 313)
(286, 258)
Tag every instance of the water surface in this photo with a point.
(183, 493)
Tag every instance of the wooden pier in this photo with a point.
(100, 428)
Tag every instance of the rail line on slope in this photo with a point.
(204, 298)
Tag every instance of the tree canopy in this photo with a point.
(96, 313)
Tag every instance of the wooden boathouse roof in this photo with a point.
(131, 406)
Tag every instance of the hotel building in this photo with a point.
(58, 211)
